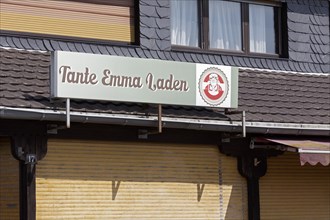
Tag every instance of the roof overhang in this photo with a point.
(168, 122)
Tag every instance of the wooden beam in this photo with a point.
(28, 149)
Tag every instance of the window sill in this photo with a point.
(176, 48)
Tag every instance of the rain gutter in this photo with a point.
(167, 122)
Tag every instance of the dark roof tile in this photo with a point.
(149, 2)
(194, 58)
(110, 50)
(71, 47)
(148, 10)
(325, 68)
(231, 60)
(269, 64)
(132, 52)
(163, 23)
(218, 59)
(163, 44)
(118, 51)
(148, 32)
(148, 22)
(168, 55)
(206, 58)
(17, 42)
(318, 68)
(253, 62)
(147, 53)
(48, 45)
(154, 54)
(200, 58)
(258, 62)
(313, 67)
(300, 57)
(212, 59)
(300, 47)
(55, 45)
(87, 48)
(163, 34)
(298, 17)
(33, 44)
(188, 57)
(163, 3)
(267, 96)
(174, 56)
(298, 37)
(3, 42)
(148, 44)
(95, 49)
(305, 67)
(299, 27)
(161, 55)
(181, 57)
(64, 46)
(103, 49)
(79, 47)
(163, 12)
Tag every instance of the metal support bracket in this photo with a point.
(68, 123)
(230, 112)
(143, 133)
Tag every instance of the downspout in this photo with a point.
(251, 164)
(252, 168)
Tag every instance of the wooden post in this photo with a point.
(252, 167)
(27, 192)
(253, 198)
(28, 149)
(251, 164)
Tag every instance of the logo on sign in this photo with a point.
(213, 86)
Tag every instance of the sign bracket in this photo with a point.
(243, 117)
(68, 122)
(143, 134)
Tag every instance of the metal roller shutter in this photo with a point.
(9, 183)
(291, 191)
(115, 180)
(98, 19)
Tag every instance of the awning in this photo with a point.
(311, 151)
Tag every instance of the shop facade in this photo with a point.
(80, 138)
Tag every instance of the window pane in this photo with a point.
(225, 25)
(262, 29)
(184, 23)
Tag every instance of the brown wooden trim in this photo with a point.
(283, 35)
(28, 146)
(204, 33)
(136, 23)
(27, 192)
(245, 28)
(106, 132)
(176, 48)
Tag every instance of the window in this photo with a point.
(247, 27)
(184, 22)
(77, 20)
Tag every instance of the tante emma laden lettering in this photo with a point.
(122, 81)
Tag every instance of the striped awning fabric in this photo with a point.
(311, 151)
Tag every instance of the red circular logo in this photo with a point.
(213, 86)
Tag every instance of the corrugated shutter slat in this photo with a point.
(9, 183)
(291, 191)
(107, 21)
